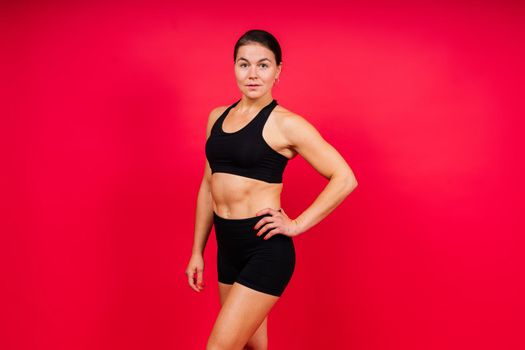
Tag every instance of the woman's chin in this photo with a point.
(253, 94)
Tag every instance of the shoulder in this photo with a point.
(292, 125)
(288, 120)
(215, 113)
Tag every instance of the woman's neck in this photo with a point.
(247, 104)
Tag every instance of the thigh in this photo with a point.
(243, 311)
(224, 289)
(259, 340)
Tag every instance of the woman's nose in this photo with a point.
(253, 71)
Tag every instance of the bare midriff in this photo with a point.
(238, 197)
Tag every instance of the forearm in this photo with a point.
(332, 195)
(203, 219)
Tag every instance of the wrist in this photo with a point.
(297, 227)
(198, 252)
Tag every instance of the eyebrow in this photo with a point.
(262, 59)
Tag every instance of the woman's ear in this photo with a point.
(279, 67)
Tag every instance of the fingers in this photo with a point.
(274, 214)
(200, 283)
(272, 233)
(264, 211)
(262, 222)
(267, 211)
(276, 222)
(266, 228)
(191, 282)
(195, 283)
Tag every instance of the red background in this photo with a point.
(103, 119)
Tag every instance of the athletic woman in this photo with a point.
(247, 148)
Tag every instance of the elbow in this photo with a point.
(206, 183)
(351, 187)
(350, 183)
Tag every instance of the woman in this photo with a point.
(248, 146)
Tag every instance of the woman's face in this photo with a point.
(255, 70)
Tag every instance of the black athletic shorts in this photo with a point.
(243, 257)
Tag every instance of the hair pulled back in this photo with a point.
(261, 37)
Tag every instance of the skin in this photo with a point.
(242, 320)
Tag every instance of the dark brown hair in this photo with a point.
(261, 37)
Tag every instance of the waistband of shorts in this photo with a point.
(220, 219)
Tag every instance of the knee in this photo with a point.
(212, 346)
(249, 347)
(258, 345)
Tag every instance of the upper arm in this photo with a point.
(304, 138)
(212, 118)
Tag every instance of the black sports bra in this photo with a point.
(245, 152)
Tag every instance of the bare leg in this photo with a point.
(242, 313)
(259, 340)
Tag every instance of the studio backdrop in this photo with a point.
(103, 120)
